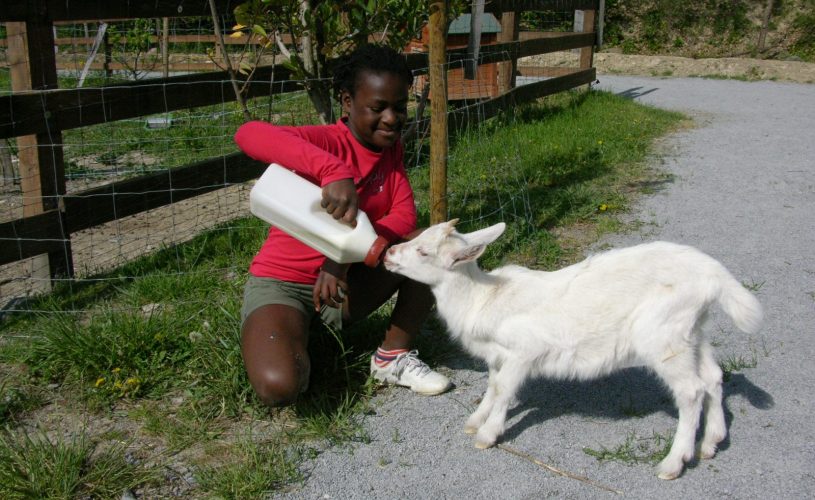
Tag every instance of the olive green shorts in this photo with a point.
(266, 291)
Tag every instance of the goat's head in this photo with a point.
(439, 249)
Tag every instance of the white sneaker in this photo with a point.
(408, 370)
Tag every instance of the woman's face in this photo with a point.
(378, 109)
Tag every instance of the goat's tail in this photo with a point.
(742, 306)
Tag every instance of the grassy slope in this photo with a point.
(711, 28)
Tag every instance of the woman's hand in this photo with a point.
(331, 286)
(341, 201)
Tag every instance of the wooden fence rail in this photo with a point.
(64, 109)
(84, 10)
(45, 113)
(192, 39)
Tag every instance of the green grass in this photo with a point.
(154, 345)
(753, 286)
(634, 450)
(736, 363)
(36, 466)
(573, 160)
(258, 470)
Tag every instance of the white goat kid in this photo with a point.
(638, 306)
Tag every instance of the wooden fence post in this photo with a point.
(165, 46)
(108, 50)
(508, 69)
(587, 53)
(42, 176)
(6, 164)
(437, 60)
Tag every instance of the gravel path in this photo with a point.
(743, 190)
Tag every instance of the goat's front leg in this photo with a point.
(480, 414)
(505, 385)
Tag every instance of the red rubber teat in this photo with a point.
(379, 246)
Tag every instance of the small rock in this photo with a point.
(150, 308)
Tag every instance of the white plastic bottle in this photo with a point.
(292, 204)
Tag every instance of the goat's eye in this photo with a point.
(421, 252)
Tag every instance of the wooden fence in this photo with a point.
(37, 112)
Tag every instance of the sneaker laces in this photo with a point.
(410, 362)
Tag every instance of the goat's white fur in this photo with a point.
(637, 306)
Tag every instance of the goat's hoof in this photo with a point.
(483, 445)
(668, 473)
(483, 440)
(468, 429)
(707, 451)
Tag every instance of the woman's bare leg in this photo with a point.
(369, 288)
(274, 344)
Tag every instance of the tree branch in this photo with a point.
(220, 38)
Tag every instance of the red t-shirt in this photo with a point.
(324, 154)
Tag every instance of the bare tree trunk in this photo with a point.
(306, 48)
(220, 39)
(762, 35)
(319, 91)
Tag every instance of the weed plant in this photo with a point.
(635, 450)
(155, 344)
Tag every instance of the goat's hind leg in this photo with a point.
(680, 374)
(715, 427)
(481, 413)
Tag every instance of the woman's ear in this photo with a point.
(345, 101)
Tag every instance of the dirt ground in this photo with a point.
(613, 63)
(731, 67)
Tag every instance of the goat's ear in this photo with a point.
(469, 253)
(477, 242)
(485, 236)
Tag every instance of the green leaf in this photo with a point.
(258, 30)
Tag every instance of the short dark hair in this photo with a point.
(368, 57)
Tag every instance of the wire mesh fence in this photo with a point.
(100, 158)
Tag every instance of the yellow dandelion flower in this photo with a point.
(117, 385)
(603, 207)
(116, 370)
(132, 381)
(100, 381)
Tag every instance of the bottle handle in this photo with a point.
(379, 246)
